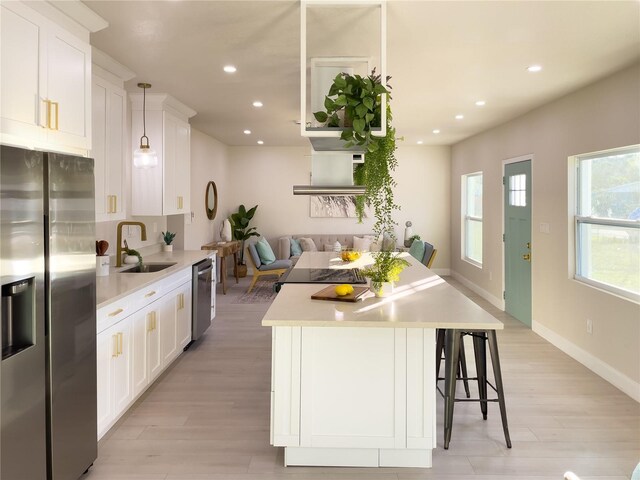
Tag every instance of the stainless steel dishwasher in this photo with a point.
(202, 274)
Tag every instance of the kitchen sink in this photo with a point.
(148, 268)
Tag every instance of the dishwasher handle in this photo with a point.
(206, 270)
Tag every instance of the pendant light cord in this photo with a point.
(144, 87)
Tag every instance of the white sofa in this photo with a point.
(345, 239)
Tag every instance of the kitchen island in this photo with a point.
(353, 384)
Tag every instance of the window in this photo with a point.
(472, 218)
(518, 190)
(608, 220)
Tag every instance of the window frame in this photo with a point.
(466, 218)
(580, 219)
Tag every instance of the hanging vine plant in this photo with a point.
(358, 100)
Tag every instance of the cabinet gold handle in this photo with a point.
(117, 312)
(150, 294)
(115, 346)
(527, 257)
(120, 342)
(57, 105)
(115, 204)
(48, 102)
(149, 322)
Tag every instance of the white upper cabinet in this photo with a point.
(109, 135)
(46, 81)
(165, 189)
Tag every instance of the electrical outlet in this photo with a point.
(155, 227)
(490, 276)
(589, 326)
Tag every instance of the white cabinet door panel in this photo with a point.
(285, 384)
(116, 129)
(352, 375)
(69, 86)
(122, 382)
(21, 99)
(141, 321)
(183, 327)
(421, 398)
(99, 95)
(105, 350)
(168, 334)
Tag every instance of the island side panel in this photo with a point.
(285, 386)
(421, 389)
(353, 388)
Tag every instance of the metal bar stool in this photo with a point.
(452, 351)
(462, 361)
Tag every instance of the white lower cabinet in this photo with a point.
(184, 314)
(135, 349)
(168, 328)
(114, 373)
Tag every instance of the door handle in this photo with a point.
(527, 257)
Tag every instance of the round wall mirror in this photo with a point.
(211, 200)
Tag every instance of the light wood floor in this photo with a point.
(207, 418)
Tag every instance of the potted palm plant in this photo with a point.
(241, 231)
(168, 238)
(384, 272)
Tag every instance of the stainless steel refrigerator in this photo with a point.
(48, 317)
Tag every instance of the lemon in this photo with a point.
(345, 289)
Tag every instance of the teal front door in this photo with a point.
(517, 240)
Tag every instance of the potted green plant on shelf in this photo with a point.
(241, 231)
(384, 272)
(361, 100)
(168, 238)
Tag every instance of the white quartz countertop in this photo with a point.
(117, 285)
(421, 299)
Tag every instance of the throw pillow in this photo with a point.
(254, 254)
(296, 249)
(308, 245)
(265, 252)
(417, 250)
(336, 247)
(362, 244)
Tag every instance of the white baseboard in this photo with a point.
(443, 272)
(604, 370)
(495, 301)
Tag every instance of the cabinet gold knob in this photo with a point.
(527, 257)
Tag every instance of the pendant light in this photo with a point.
(145, 156)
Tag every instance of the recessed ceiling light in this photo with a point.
(260, 142)
(419, 142)
(459, 116)
(436, 131)
(480, 103)
(247, 132)
(230, 69)
(257, 104)
(534, 68)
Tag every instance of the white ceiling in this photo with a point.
(443, 56)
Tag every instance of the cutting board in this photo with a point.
(329, 293)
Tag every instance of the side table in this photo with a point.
(225, 249)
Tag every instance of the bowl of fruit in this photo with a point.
(349, 255)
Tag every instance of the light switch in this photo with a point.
(544, 227)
